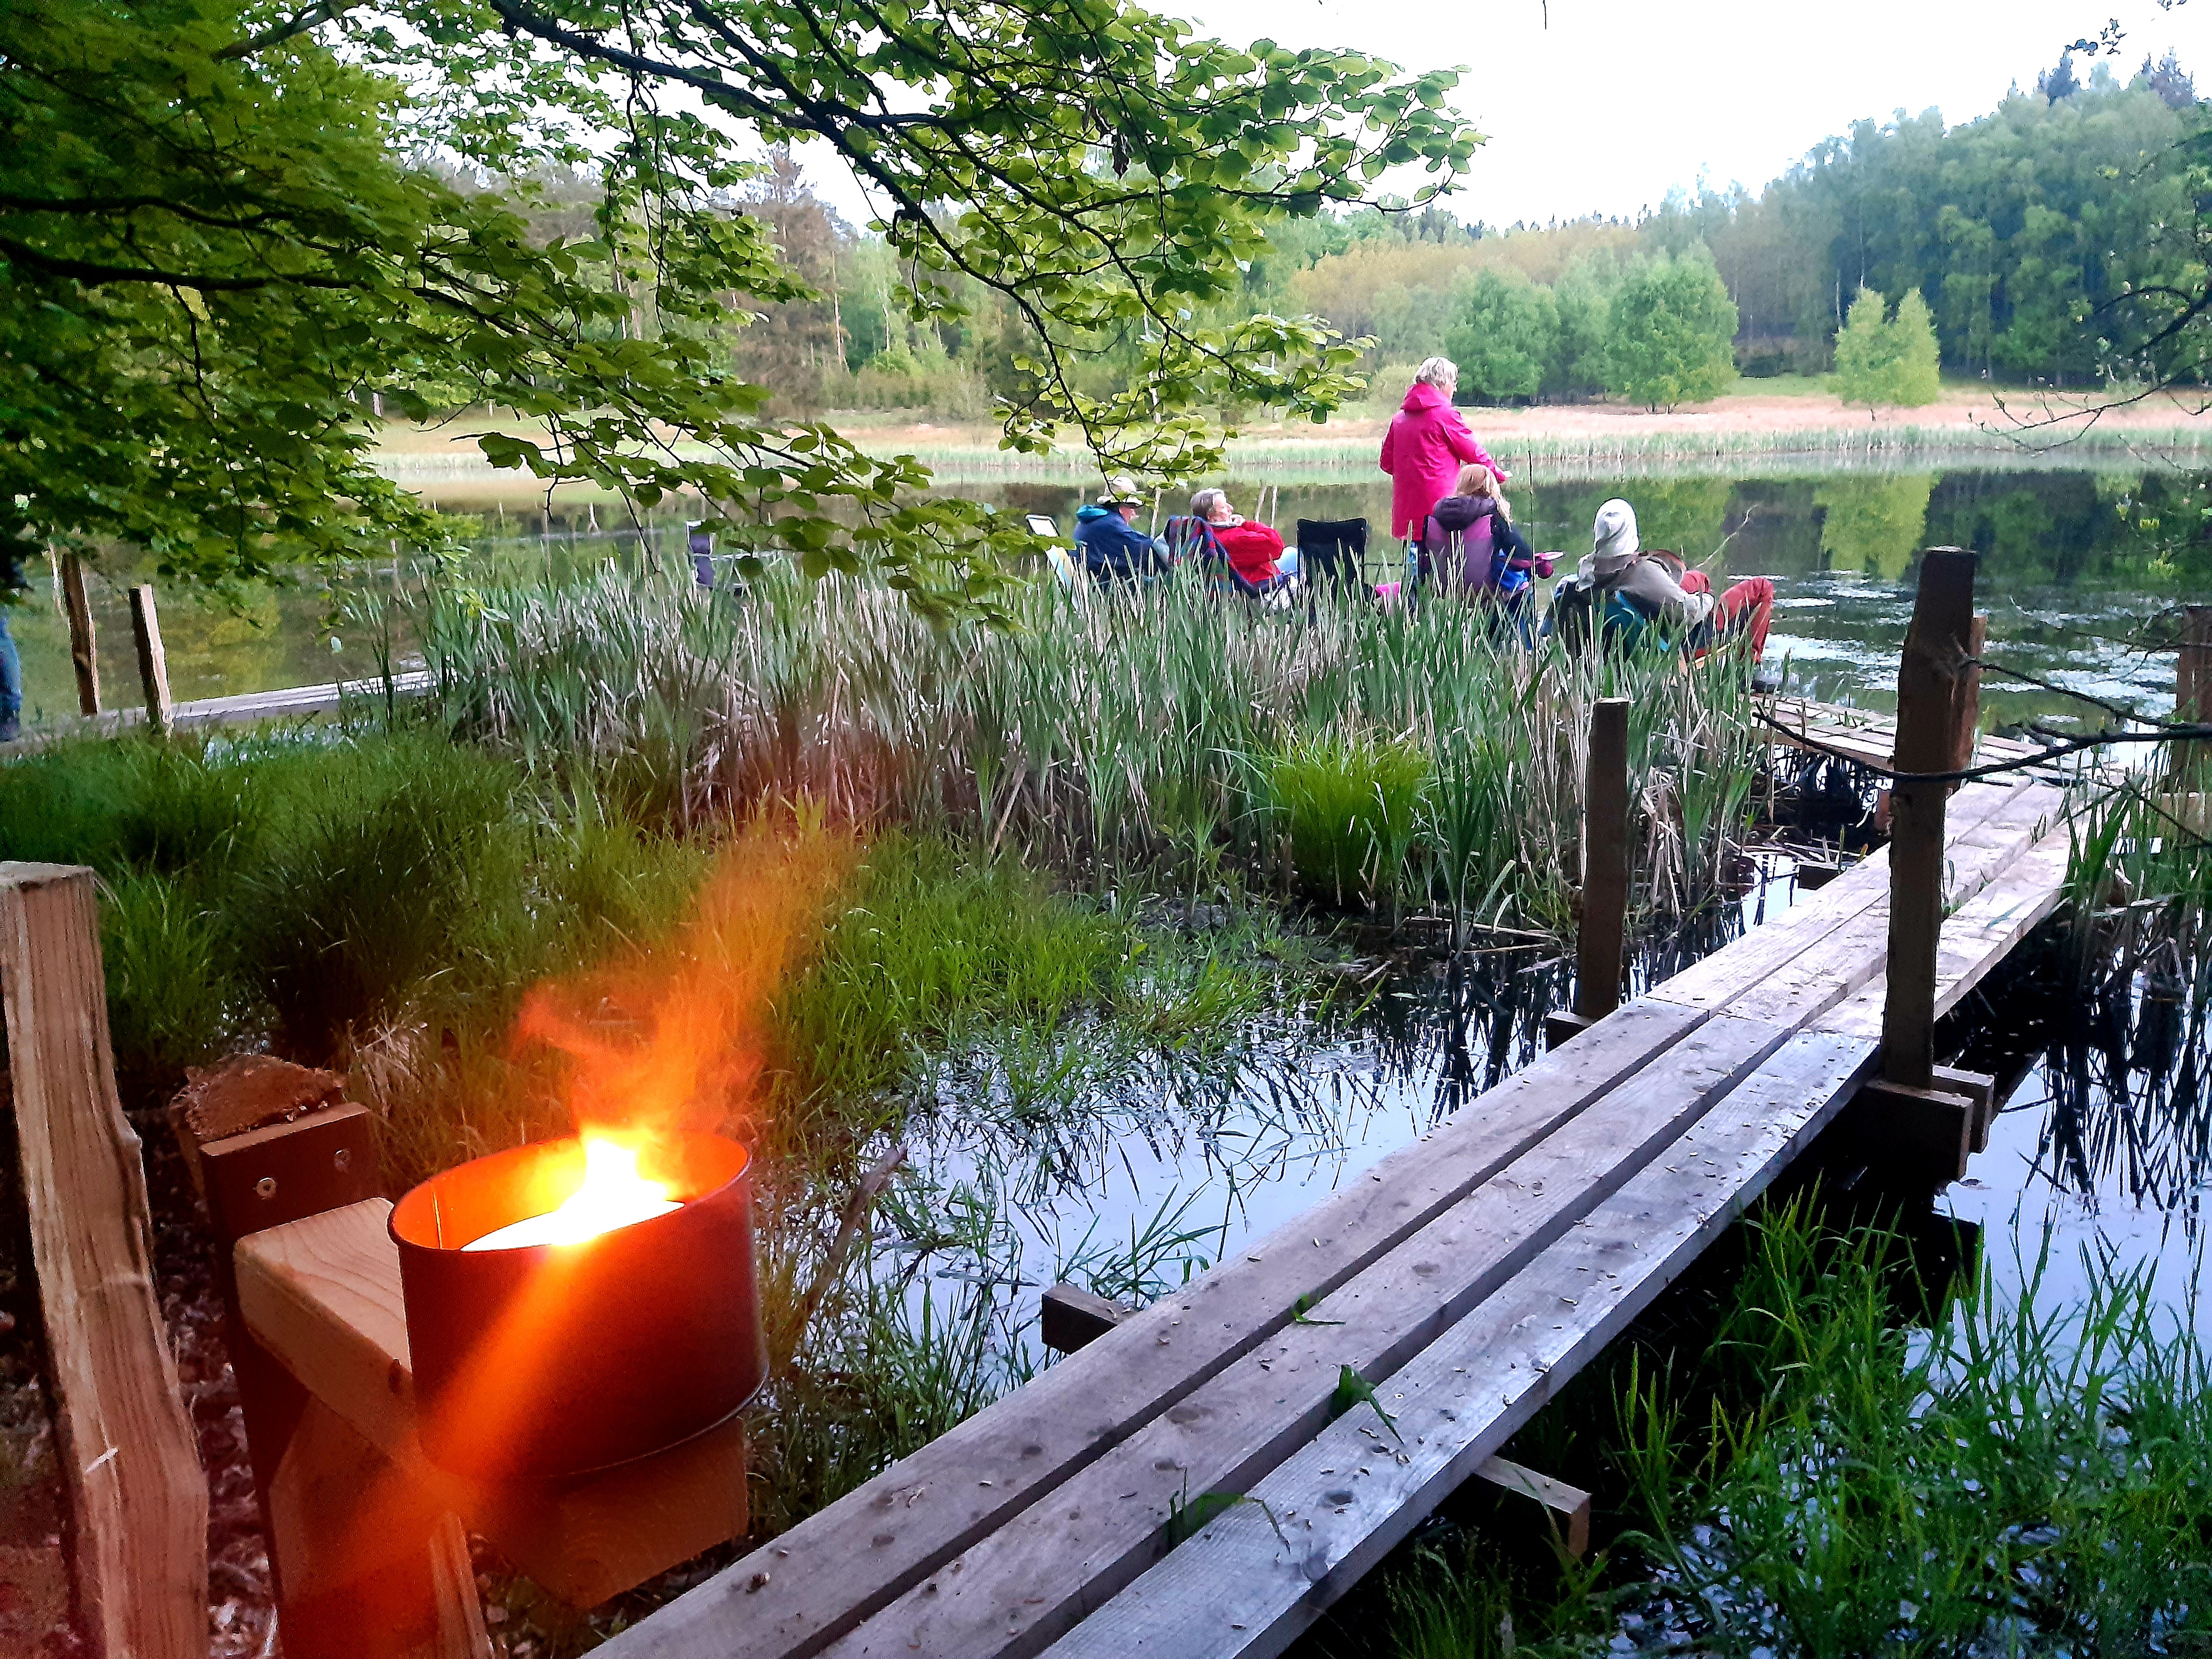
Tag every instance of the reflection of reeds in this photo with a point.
(1161, 731)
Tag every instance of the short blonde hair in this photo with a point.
(1437, 372)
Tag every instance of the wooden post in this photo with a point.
(84, 649)
(1930, 692)
(153, 664)
(2192, 694)
(137, 1494)
(1967, 733)
(1598, 942)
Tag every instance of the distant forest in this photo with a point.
(2016, 229)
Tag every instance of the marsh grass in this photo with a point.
(1160, 736)
(1820, 1477)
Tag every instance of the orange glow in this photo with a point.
(675, 1036)
(612, 1194)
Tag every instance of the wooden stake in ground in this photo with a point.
(1931, 690)
(137, 1496)
(1604, 861)
(84, 650)
(153, 663)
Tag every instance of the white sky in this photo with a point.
(1617, 101)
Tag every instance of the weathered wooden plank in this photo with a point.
(1723, 979)
(1038, 1573)
(1348, 1497)
(292, 702)
(84, 645)
(137, 1494)
(1853, 955)
(323, 1296)
(1570, 1506)
(153, 660)
(878, 1542)
(1977, 936)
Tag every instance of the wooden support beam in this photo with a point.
(1930, 702)
(137, 1495)
(84, 649)
(1967, 706)
(1598, 941)
(1914, 1136)
(1570, 1506)
(1563, 1024)
(1981, 1088)
(358, 1553)
(1071, 1318)
(322, 1295)
(153, 662)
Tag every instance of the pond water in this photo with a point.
(2068, 575)
(1125, 1170)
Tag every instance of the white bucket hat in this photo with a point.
(1614, 544)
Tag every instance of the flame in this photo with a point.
(675, 1035)
(612, 1194)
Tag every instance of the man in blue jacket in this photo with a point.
(1112, 546)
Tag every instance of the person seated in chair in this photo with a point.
(1682, 600)
(1471, 542)
(1113, 548)
(1254, 550)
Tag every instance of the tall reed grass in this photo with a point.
(1160, 732)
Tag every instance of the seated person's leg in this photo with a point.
(1748, 607)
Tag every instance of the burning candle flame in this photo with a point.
(613, 1195)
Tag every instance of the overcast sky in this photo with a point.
(1608, 103)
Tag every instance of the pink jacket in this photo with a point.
(1422, 452)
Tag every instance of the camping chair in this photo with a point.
(1331, 551)
(1058, 557)
(1192, 539)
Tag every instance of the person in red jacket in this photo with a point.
(1254, 549)
(1427, 444)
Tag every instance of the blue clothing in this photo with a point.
(11, 677)
(1112, 549)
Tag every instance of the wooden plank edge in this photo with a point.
(1460, 1400)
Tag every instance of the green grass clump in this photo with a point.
(1351, 807)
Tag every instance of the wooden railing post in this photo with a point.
(1599, 944)
(137, 1495)
(2192, 694)
(84, 650)
(153, 662)
(1932, 692)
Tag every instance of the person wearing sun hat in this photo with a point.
(1113, 548)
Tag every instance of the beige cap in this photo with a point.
(1121, 489)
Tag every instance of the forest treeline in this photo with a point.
(2018, 230)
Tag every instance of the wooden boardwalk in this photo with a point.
(1464, 1277)
(292, 703)
(1869, 737)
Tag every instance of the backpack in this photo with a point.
(1579, 602)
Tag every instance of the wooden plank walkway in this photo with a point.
(1869, 737)
(1464, 1277)
(292, 703)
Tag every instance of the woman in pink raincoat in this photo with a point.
(1425, 447)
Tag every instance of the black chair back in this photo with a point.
(1333, 550)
